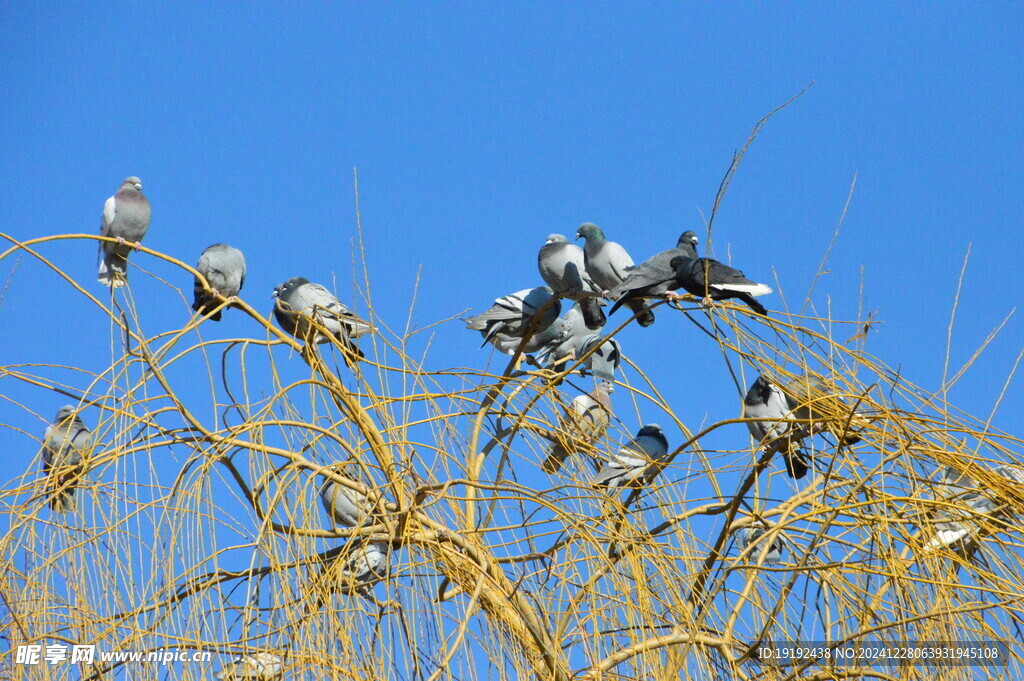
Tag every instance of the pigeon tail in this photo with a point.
(644, 315)
(593, 315)
(113, 269)
(753, 304)
(796, 463)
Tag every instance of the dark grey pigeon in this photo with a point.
(813, 398)
(608, 264)
(752, 535)
(563, 268)
(654, 276)
(512, 315)
(224, 268)
(637, 463)
(299, 301)
(582, 424)
(345, 506)
(66, 443)
(125, 218)
(711, 280)
(767, 401)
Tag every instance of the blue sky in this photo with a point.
(476, 130)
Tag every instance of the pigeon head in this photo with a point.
(289, 286)
(65, 412)
(759, 392)
(687, 238)
(588, 231)
(650, 430)
(556, 239)
(133, 183)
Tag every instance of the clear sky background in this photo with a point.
(478, 129)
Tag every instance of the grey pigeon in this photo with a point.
(711, 280)
(562, 267)
(368, 562)
(299, 301)
(752, 535)
(813, 398)
(637, 463)
(125, 218)
(224, 268)
(572, 339)
(654, 276)
(344, 505)
(66, 443)
(513, 314)
(261, 666)
(957, 524)
(582, 424)
(608, 264)
(767, 401)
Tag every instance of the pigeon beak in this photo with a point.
(275, 294)
(138, 186)
(578, 236)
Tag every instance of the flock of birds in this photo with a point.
(531, 323)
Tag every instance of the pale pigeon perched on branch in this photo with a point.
(299, 301)
(66, 445)
(654, 276)
(752, 535)
(262, 666)
(637, 463)
(711, 280)
(608, 264)
(510, 316)
(582, 424)
(368, 562)
(768, 402)
(958, 524)
(562, 267)
(125, 218)
(344, 505)
(224, 269)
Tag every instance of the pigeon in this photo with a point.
(513, 314)
(344, 505)
(711, 280)
(608, 264)
(66, 443)
(812, 398)
(582, 424)
(953, 527)
(367, 563)
(126, 218)
(563, 268)
(261, 666)
(572, 339)
(751, 535)
(298, 301)
(767, 401)
(654, 276)
(224, 268)
(637, 463)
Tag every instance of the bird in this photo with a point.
(224, 269)
(955, 523)
(570, 339)
(368, 562)
(299, 301)
(813, 398)
(710, 280)
(126, 218)
(344, 505)
(261, 666)
(608, 264)
(654, 276)
(751, 535)
(636, 463)
(562, 267)
(766, 401)
(583, 423)
(66, 445)
(511, 315)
